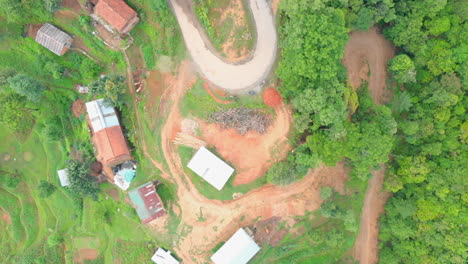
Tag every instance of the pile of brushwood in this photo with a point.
(242, 120)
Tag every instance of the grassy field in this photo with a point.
(222, 26)
(105, 225)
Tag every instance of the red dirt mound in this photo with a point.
(272, 98)
(78, 108)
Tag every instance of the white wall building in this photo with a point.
(211, 168)
(163, 257)
(239, 249)
(63, 176)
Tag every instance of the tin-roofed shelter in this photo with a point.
(211, 168)
(63, 177)
(117, 15)
(163, 257)
(147, 202)
(239, 249)
(111, 147)
(54, 39)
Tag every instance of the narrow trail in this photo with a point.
(366, 249)
(231, 77)
(366, 56)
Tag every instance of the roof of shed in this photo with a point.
(115, 12)
(101, 115)
(63, 176)
(53, 38)
(147, 202)
(163, 257)
(239, 249)
(211, 168)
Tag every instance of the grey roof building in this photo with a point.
(54, 39)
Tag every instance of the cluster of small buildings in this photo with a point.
(115, 15)
(112, 151)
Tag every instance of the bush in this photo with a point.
(46, 189)
(55, 239)
(282, 173)
(9, 180)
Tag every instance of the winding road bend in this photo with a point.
(231, 77)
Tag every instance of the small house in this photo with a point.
(111, 147)
(147, 202)
(211, 168)
(163, 257)
(53, 39)
(239, 249)
(63, 177)
(116, 16)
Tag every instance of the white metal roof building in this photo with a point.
(163, 257)
(239, 249)
(53, 39)
(100, 115)
(211, 168)
(63, 176)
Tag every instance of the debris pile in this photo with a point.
(242, 120)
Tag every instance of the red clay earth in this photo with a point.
(6, 217)
(85, 254)
(272, 98)
(210, 92)
(252, 153)
(364, 52)
(78, 108)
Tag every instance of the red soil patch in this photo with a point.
(210, 92)
(72, 4)
(114, 194)
(366, 50)
(272, 98)
(6, 217)
(252, 153)
(85, 254)
(78, 108)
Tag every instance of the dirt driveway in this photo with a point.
(232, 77)
(366, 56)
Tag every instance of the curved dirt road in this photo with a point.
(231, 77)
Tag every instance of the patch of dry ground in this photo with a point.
(366, 56)
(78, 108)
(230, 49)
(252, 153)
(223, 218)
(85, 254)
(5, 216)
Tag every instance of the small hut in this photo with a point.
(54, 39)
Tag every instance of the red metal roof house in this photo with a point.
(117, 15)
(147, 202)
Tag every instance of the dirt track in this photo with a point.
(364, 52)
(367, 53)
(248, 75)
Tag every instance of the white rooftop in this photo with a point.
(163, 257)
(63, 176)
(211, 168)
(100, 115)
(239, 249)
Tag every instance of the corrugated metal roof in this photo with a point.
(53, 39)
(100, 115)
(163, 257)
(239, 249)
(147, 202)
(115, 12)
(63, 176)
(211, 168)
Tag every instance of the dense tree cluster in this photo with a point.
(81, 183)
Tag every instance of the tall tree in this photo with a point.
(27, 86)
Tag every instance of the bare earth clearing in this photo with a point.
(221, 219)
(364, 52)
(85, 254)
(253, 153)
(369, 51)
